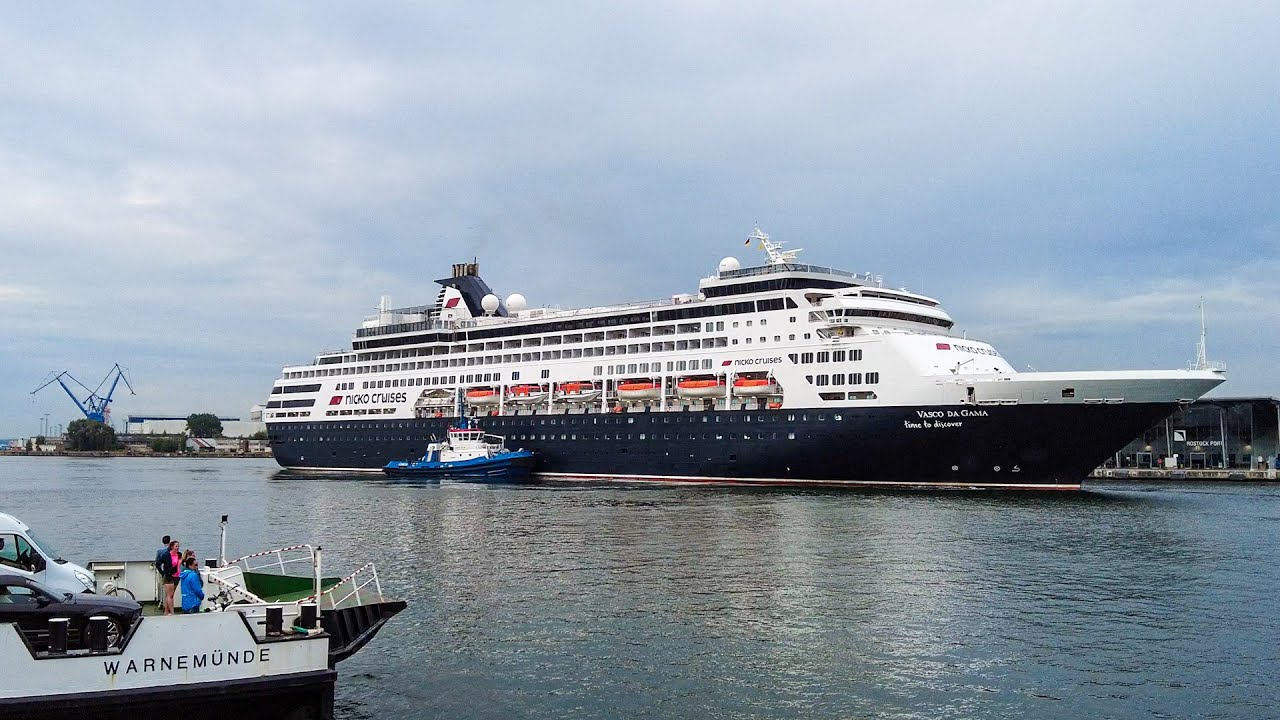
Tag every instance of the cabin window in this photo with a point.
(873, 378)
(546, 374)
(1068, 392)
(838, 356)
(837, 379)
(824, 357)
(806, 357)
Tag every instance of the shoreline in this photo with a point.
(1106, 474)
(125, 453)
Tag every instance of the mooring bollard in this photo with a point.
(98, 633)
(307, 618)
(275, 621)
(58, 636)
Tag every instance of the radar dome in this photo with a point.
(490, 303)
(729, 264)
(516, 302)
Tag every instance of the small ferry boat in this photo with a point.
(466, 453)
(264, 644)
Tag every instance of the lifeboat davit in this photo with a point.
(482, 396)
(527, 394)
(639, 389)
(700, 387)
(755, 387)
(578, 391)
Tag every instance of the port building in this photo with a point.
(232, 427)
(1241, 433)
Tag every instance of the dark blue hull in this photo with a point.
(504, 466)
(1047, 446)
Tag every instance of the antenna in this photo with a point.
(777, 256)
(1202, 350)
(1202, 361)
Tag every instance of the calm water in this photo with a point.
(1126, 601)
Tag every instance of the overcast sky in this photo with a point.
(207, 193)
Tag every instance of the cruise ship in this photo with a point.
(780, 373)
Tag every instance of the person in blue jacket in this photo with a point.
(192, 586)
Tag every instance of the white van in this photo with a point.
(21, 553)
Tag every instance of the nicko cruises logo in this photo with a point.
(744, 362)
(369, 398)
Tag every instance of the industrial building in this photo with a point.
(176, 425)
(1209, 434)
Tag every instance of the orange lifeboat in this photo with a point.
(700, 387)
(527, 394)
(577, 391)
(754, 387)
(639, 389)
(482, 396)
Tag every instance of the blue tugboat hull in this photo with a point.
(503, 466)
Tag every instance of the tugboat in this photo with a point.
(468, 453)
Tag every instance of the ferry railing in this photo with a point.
(275, 559)
(355, 588)
(230, 592)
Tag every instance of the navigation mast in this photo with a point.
(777, 256)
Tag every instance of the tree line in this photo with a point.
(91, 435)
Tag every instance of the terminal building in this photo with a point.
(1209, 434)
(176, 425)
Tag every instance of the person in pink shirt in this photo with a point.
(170, 570)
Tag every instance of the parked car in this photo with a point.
(31, 605)
(21, 553)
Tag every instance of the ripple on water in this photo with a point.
(550, 602)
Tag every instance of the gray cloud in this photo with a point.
(205, 195)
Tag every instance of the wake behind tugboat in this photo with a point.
(781, 373)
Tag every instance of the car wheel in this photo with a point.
(116, 629)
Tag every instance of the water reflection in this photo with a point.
(588, 601)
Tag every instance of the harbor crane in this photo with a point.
(94, 406)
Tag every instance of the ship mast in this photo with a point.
(1202, 351)
(1202, 361)
(777, 256)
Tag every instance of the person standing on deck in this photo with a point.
(192, 586)
(164, 550)
(170, 565)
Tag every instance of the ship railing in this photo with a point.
(276, 561)
(229, 591)
(794, 267)
(361, 587)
